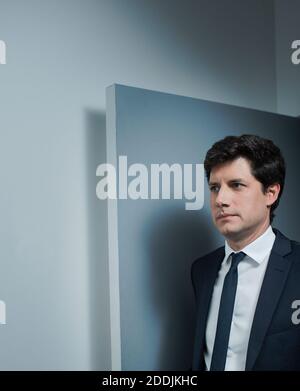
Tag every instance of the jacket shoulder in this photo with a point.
(205, 260)
(295, 249)
(286, 246)
(207, 257)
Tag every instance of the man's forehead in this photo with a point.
(232, 170)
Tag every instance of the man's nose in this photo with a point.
(223, 197)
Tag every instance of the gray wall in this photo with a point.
(60, 57)
(157, 240)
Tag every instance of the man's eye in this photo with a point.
(214, 188)
(237, 185)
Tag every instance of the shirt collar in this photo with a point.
(258, 249)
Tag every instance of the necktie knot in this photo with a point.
(236, 258)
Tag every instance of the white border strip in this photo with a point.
(113, 244)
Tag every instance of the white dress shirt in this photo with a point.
(251, 271)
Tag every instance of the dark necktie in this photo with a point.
(225, 314)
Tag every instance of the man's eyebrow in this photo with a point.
(237, 180)
(231, 181)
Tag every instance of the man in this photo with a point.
(247, 291)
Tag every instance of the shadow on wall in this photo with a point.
(174, 242)
(97, 245)
(174, 239)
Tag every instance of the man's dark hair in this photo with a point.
(265, 158)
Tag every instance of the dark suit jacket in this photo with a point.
(274, 342)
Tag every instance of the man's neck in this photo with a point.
(239, 244)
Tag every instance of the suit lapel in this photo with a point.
(207, 282)
(272, 287)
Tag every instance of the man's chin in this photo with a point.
(229, 231)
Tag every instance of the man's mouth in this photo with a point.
(224, 215)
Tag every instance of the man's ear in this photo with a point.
(272, 193)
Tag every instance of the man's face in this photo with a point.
(238, 205)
